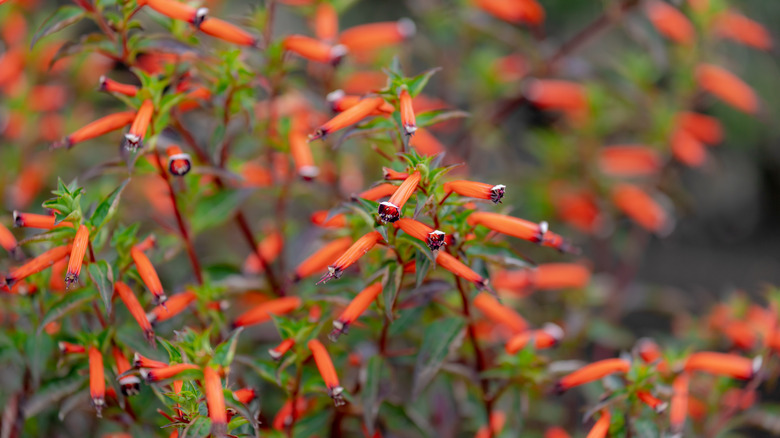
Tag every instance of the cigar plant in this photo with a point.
(281, 219)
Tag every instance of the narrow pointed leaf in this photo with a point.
(103, 278)
(439, 338)
(62, 18)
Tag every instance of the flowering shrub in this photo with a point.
(256, 232)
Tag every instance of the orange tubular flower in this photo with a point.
(349, 117)
(179, 163)
(727, 87)
(37, 264)
(514, 11)
(351, 255)
(136, 310)
(7, 238)
(148, 275)
(280, 350)
(407, 112)
(369, 37)
(653, 402)
(687, 149)
(326, 22)
(737, 27)
(130, 384)
(78, 251)
(245, 395)
(433, 238)
(320, 218)
(301, 154)
(166, 372)
(393, 175)
(339, 102)
(215, 400)
(499, 313)
(601, 428)
(556, 432)
(670, 22)
(629, 160)
(285, 416)
(649, 351)
(263, 311)
(723, 364)
(69, 348)
(144, 362)
(113, 86)
(11, 66)
(549, 276)
(591, 372)
(547, 337)
(678, 410)
(99, 127)
(706, 129)
(140, 124)
(640, 207)
(553, 94)
(176, 10)
(148, 243)
(356, 307)
(227, 32)
(194, 99)
(315, 313)
(390, 211)
(97, 380)
(452, 264)
(40, 221)
(322, 258)
(378, 192)
(497, 421)
(327, 371)
(520, 228)
(174, 306)
(314, 50)
(473, 189)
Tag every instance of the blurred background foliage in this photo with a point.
(725, 238)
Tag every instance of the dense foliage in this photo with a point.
(257, 220)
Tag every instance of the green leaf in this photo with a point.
(433, 117)
(216, 209)
(51, 393)
(312, 425)
(417, 83)
(422, 264)
(107, 207)
(49, 236)
(174, 354)
(60, 19)
(438, 339)
(226, 351)
(200, 427)
(391, 285)
(370, 393)
(70, 302)
(102, 276)
(408, 318)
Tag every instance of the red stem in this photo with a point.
(185, 235)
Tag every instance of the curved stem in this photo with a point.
(185, 235)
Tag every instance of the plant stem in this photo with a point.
(296, 389)
(603, 22)
(240, 218)
(481, 363)
(243, 225)
(185, 235)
